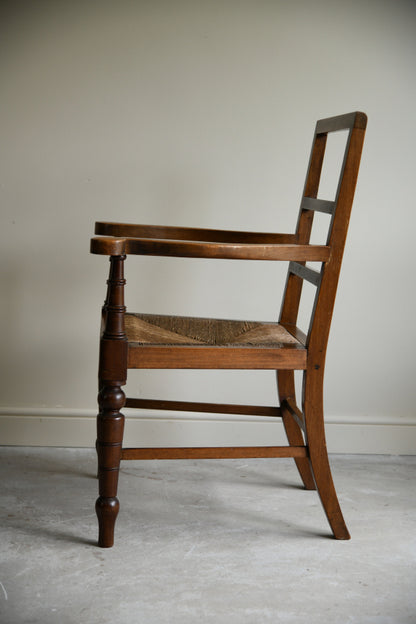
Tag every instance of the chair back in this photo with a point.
(324, 279)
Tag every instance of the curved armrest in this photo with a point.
(196, 249)
(106, 228)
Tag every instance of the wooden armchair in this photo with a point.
(130, 340)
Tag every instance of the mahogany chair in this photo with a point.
(144, 341)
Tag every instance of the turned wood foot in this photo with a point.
(107, 511)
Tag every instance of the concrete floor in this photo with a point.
(232, 542)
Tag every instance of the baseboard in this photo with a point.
(76, 428)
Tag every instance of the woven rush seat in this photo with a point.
(180, 330)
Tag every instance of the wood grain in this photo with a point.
(216, 452)
(210, 408)
(132, 230)
(290, 357)
(198, 249)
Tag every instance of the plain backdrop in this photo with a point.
(200, 113)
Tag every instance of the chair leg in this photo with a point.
(110, 427)
(318, 454)
(96, 451)
(96, 441)
(286, 389)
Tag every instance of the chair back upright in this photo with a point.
(326, 278)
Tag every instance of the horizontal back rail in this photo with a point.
(304, 272)
(318, 205)
(341, 122)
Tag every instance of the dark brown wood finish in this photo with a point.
(146, 341)
(200, 249)
(236, 358)
(111, 399)
(132, 230)
(210, 408)
(317, 338)
(215, 452)
(291, 301)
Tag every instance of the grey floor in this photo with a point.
(234, 541)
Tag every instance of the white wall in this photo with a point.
(199, 113)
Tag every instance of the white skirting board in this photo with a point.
(76, 428)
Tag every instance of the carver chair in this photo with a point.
(144, 341)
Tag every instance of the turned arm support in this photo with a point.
(197, 249)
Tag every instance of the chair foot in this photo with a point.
(318, 455)
(321, 470)
(327, 494)
(107, 511)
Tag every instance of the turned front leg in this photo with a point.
(110, 427)
(111, 399)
